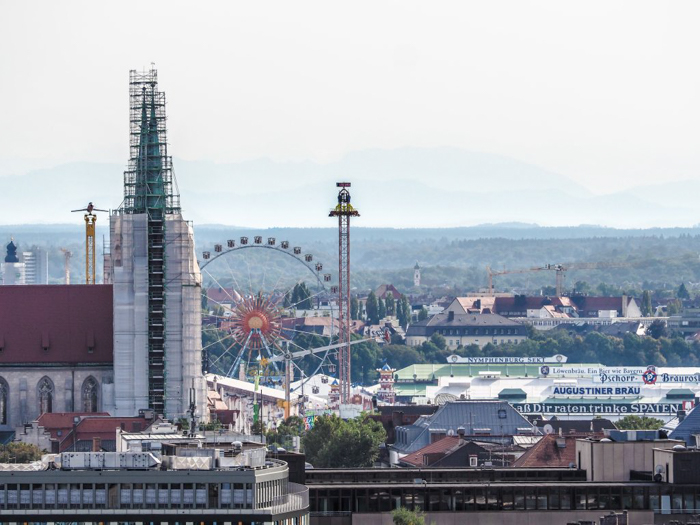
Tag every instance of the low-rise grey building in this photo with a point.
(466, 329)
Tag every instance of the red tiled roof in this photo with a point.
(386, 289)
(66, 319)
(442, 446)
(547, 453)
(52, 422)
(103, 427)
(594, 304)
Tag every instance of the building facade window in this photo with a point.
(90, 395)
(45, 395)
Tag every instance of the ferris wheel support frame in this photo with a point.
(287, 357)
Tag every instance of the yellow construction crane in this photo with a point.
(560, 270)
(90, 220)
(66, 263)
(491, 273)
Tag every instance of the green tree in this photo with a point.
(657, 329)
(674, 307)
(335, 443)
(403, 516)
(633, 422)
(582, 287)
(403, 312)
(401, 356)
(354, 308)
(372, 309)
(381, 311)
(682, 292)
(423, 314)
(646, 307)
(363, 361)
(438, 340)
(18, 452)
(214, 424)
(301, 297)
(282, 435)
(390, 304)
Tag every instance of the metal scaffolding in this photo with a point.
(149, 182)
(150, 188)
(153, 269)
(344, 211)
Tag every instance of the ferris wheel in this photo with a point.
(269, 311)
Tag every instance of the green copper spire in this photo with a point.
(149, 182)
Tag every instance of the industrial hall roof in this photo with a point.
(56, 324)
(432, 372)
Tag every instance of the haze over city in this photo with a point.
(448, 114)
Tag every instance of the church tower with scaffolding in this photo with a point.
(152, 266)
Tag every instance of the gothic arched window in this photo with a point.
(45, 395)
(90, 398)
(4, 399)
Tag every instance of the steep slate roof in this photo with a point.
(498, 416)
(519, 304)
(685, 429)
(65, 319)
(442, 320)
(547, 453)
(620, 329)
(444, 445)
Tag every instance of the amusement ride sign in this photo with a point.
(455, 359)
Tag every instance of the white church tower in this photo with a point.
(155, 276)
(416, 275)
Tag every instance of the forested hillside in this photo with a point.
(452, 260)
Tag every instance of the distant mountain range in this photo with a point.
(402, 188)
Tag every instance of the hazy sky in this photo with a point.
(603, 92)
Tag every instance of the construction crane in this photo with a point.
(90, 220)
(66, 263)
(560, 270)
(491, 273)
